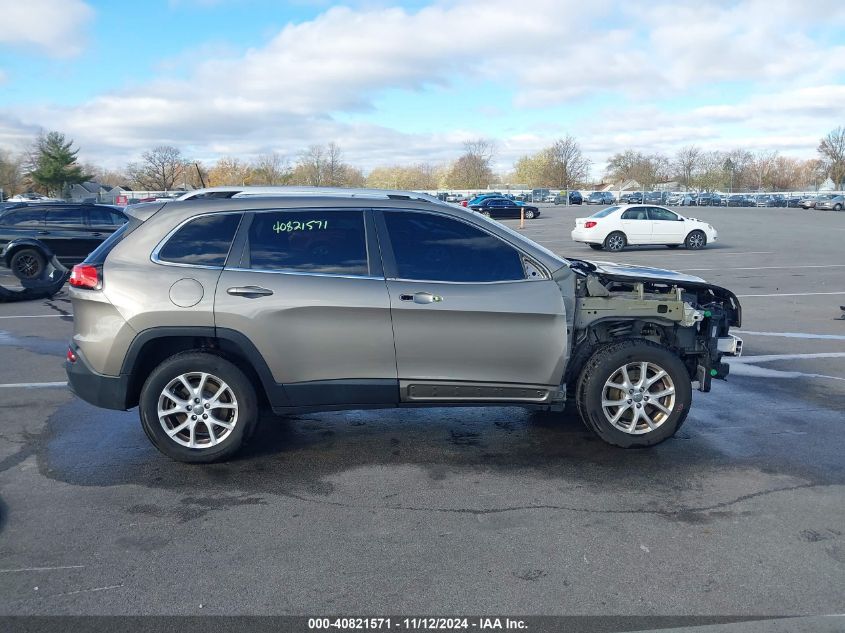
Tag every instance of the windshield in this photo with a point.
(604, 212)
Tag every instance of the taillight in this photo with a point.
(590, 224)
(71, 356)
(85, 276)
(463, 203)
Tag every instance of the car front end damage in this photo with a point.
(680, 312)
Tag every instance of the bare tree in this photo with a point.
(647, 170)
(472, 169)
(567, 165)
(687, 162)
(11, 173)
(311, 168)
(271, 169)
(761, 166)
(335, 168)
(160, 169)
(832, 150)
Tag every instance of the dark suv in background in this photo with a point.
(31, 234)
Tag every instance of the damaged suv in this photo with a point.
(200, 312)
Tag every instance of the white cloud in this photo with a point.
(288, 92)
(54, 27)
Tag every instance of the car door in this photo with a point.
(636, 225)
(67, 234)
(667, 227)
(469, 325)
(309, 292)
(103, 221)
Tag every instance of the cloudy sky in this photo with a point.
(410, 81)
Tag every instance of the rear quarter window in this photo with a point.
(203, 241)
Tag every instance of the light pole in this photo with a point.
(729, 165)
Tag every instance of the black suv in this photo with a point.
(32, 234)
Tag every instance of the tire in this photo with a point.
(615, 242)
(837, 207)
(28, 263)
(672, 245)
(631, 429)
(696, 240)
(596, 247)
(486, 214)
(236, 416)
(529, 214)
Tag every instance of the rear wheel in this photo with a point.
(197, 407)
(596, 247)
(529, 214)
(696, 240)
(27, 264)
(615, 241)
(633, 393)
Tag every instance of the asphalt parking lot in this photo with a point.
(458, 510)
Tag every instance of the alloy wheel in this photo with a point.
(638, 397)
(197, 410)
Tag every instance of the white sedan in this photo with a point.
(615, 227)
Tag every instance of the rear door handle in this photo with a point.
(42, 233)
(249, 291)
(421, 297)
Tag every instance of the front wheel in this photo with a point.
(27, 264)
(696, 240)
(197, 407)
(837, 207)
(615, 241)
(633, 393)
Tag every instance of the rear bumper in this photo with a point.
(585, 235)
(107, 392)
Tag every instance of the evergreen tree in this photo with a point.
(54, 163)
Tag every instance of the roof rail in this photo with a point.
(296, 191)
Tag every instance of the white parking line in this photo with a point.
(32, 385)
(796, 294)
(765, 268)
(36, 316)
(769, 358)
(831, 337)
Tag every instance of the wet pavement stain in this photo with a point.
(425, 457)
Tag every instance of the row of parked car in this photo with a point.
(832, 202)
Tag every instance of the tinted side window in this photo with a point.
(318, 241)
(435, 248)
(637, 213)
(656, 213)
(98, 216)
(204, 241)
(28, 217)
(66, 216)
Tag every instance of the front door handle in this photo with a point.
(421, 297)
(249, 291)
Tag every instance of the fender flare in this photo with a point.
(23, 242)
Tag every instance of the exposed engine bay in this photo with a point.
(681, 312)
